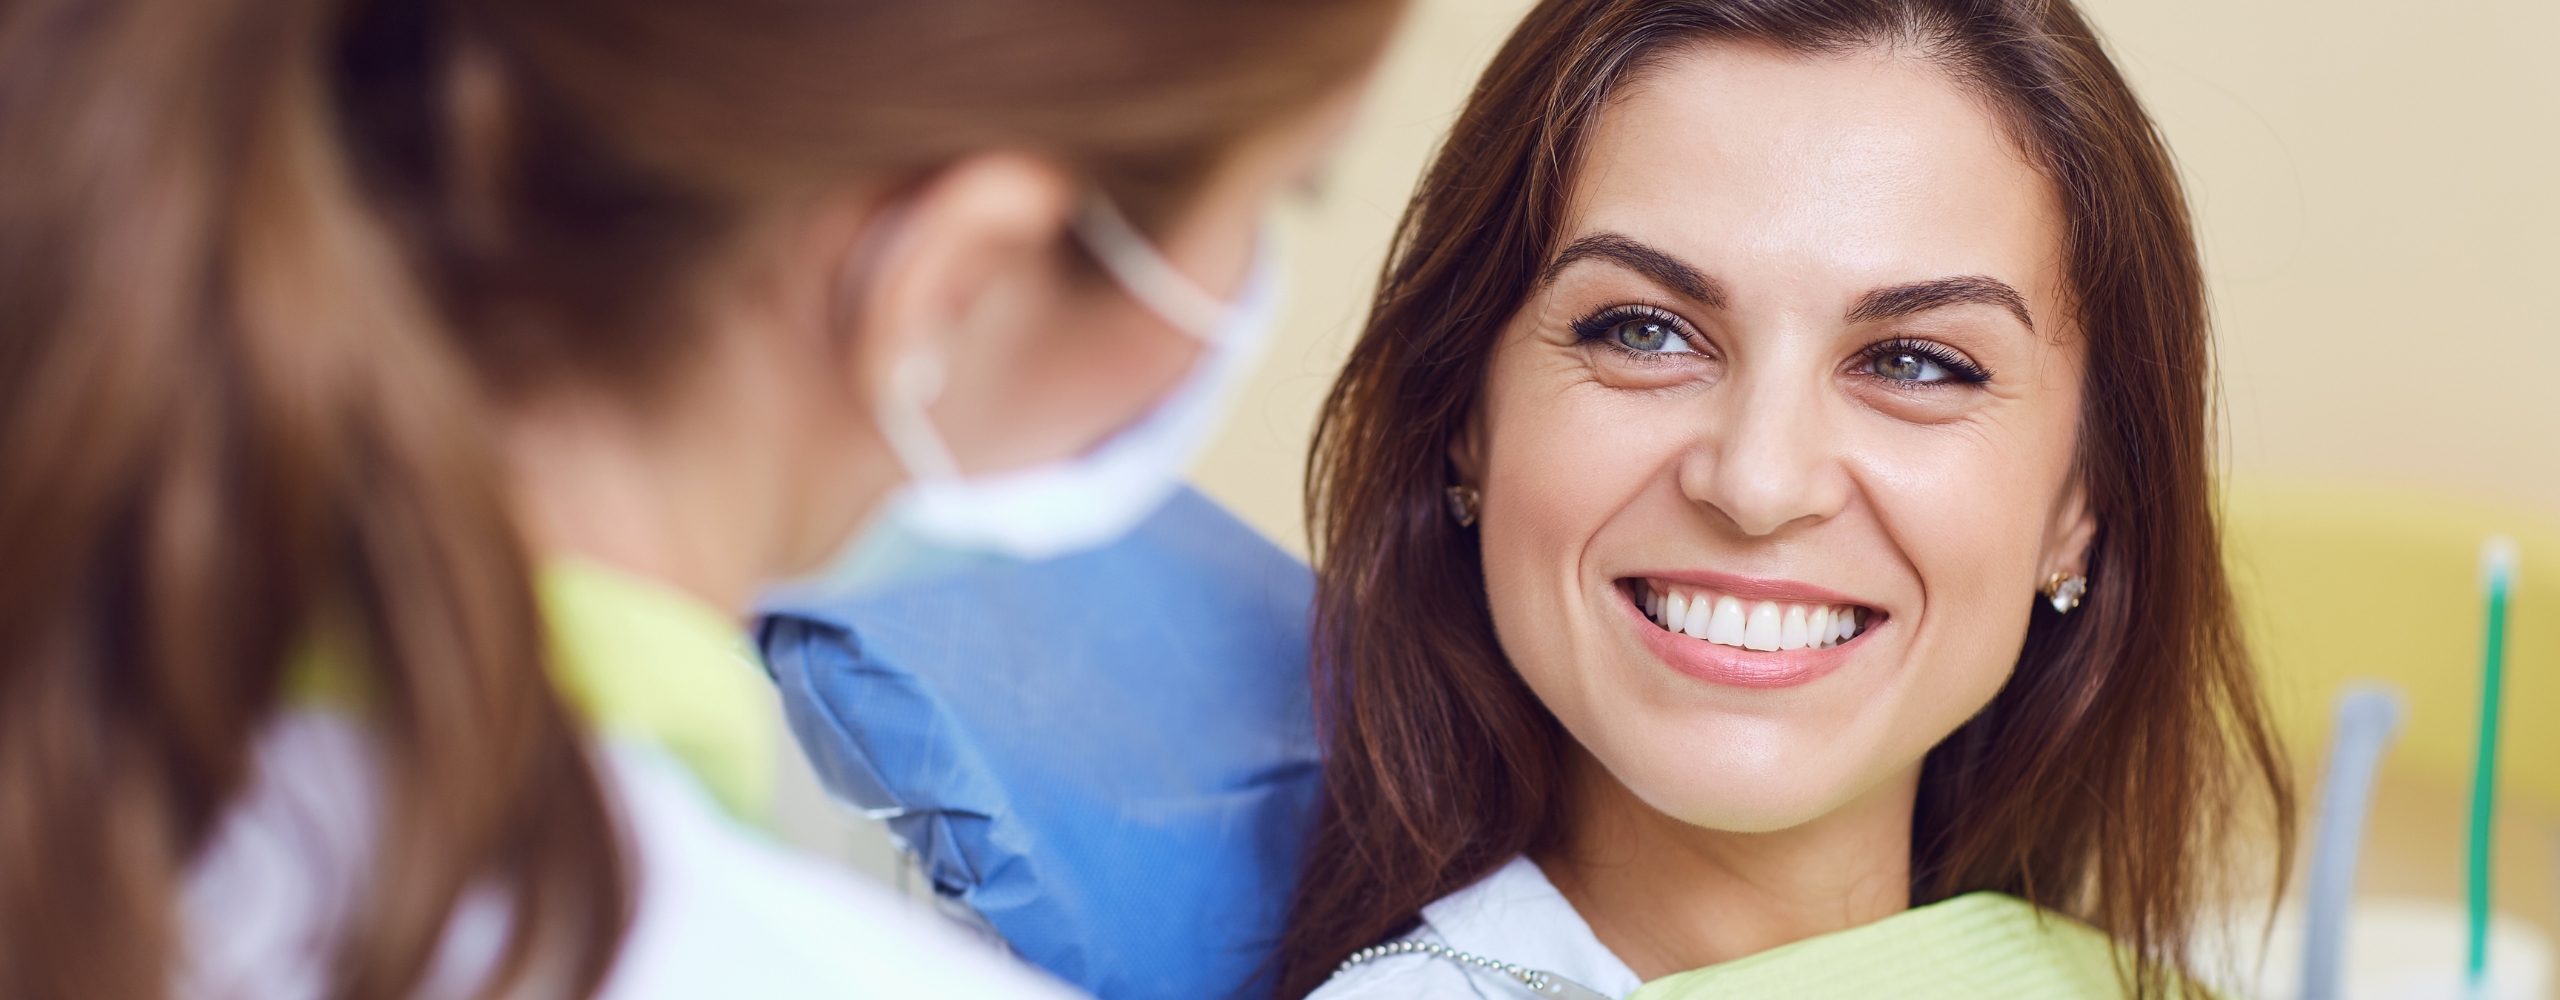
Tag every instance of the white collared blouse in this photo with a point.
(1513, 916)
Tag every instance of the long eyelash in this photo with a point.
(1963, 368)
(1596, 326)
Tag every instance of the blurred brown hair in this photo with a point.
(2101, 781)
(268, 268)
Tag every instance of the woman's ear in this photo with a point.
(1466, 451)
(2067, 537)
(932, 269)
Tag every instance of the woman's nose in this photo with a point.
(1767, 456)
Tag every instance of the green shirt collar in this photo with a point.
(644, 661)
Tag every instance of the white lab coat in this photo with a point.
(722, 911)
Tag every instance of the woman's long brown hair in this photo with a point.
(270, 271)
(2102, 781)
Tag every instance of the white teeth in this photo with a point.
(1762, 633)
(1760, 625)
(1727, 628)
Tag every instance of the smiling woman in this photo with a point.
(1820, 393)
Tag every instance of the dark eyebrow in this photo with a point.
(1650, 262)
(1939, 293)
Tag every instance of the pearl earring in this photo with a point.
(2064, 591)
(1464, 502)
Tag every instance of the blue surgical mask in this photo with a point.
(943, 521)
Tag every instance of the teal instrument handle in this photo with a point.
(2499, 575)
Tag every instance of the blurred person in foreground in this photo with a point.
(404, 401)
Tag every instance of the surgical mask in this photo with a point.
(944, 521)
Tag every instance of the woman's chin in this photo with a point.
(1743, 810)
(1731, 774)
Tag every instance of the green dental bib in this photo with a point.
(1976, 946)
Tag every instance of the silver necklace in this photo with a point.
(1542, 983)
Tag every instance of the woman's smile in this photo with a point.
(1744, 632)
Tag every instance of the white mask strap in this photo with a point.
(1143, 271)
(914, 385)
(1140, 268)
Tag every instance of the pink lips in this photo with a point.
(1747, 668)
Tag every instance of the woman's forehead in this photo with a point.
(1867, 165)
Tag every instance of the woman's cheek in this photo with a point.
(1965, 513)
(1564, 456)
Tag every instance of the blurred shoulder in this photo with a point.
(727, 911)
(722, 909)
(285, 866)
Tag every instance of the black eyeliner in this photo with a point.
(1962, 368)
(1596, 326)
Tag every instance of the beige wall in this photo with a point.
(1335, 243)
(2375, 188)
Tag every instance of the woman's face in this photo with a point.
(1804, 370)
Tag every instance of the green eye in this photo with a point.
(1647, 335)
(1636, 329)
(1904, 366)
(1920, 362)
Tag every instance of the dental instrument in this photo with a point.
(2368, 719)
(2499, 562)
